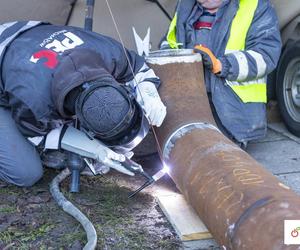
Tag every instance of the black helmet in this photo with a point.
(108, 111)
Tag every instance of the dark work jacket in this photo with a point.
(30, 58)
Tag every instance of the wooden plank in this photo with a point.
(183, 218)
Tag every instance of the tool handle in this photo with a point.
(89, 12)
(75, 165)
(75, 181)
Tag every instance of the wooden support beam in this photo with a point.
(183, 218)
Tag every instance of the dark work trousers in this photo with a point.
(20, 163)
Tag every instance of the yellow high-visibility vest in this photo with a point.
(253, 91)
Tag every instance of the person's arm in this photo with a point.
(126, 66)
(144, 85)
(263, 47)
(132, 70)
(25, 119)
(76, 141)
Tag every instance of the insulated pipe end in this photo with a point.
(161, 57)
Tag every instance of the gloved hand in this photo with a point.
(209, 59)
(148, 98)
(107, 156)
(94, 168)
(77, 142)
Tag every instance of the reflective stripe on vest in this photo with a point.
(252, 91)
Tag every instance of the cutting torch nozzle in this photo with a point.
(150, 180)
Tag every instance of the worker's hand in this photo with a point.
(78, 142)
(94, 168)
(107, 156)
(148, 98)
(112, 159)
(209, 59)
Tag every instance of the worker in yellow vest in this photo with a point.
(240, 44)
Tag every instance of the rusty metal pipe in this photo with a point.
(243, 205)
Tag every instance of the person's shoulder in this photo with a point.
(264, 6)
(265, 13)
(264, 3)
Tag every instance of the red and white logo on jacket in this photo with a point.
(52, 47)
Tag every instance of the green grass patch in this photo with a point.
(13, 234)
(8, 209)
(39, 232)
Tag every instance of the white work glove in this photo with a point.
(94, 168)
(107, 156)
(148, 98)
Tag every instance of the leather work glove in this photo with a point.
(209, 59)
(148, 98)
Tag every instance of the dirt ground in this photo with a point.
(30, 218)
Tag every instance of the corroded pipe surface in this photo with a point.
(242, 204)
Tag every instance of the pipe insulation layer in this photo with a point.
(243, 205)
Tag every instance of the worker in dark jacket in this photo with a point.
(240, 44)
(57, 82)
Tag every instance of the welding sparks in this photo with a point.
(161, 173)
(166, 168)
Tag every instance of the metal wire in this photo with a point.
(160, 153)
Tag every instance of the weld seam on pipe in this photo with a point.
(232, 229)
(182, 131)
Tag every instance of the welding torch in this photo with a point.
(150, 179)
(131, 168)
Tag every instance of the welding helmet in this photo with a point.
(109, 112)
